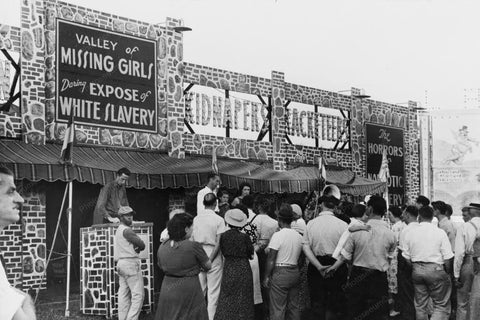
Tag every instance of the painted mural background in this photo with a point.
(456, 158)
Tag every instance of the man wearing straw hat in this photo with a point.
(127, 246)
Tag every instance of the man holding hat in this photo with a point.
(463, 261)
(319, 242)
(127, 246)
(282, 274)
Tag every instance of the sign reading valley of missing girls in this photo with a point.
(378, 138)
(107, 78)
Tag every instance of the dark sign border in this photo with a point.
(403, 142)
(57, 105)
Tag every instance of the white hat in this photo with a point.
(331, 190)
(236, 218)
(366, 199)
(297, 211)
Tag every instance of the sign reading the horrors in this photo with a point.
(380, 138)
(106, 78)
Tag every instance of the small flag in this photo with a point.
(384, 172)
(68, 140)
(383, 176)
(322, 169)
(214, 161)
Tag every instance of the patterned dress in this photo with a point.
(236, 293)
(393, 268)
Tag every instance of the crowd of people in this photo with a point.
(248, 259)
(349, 261)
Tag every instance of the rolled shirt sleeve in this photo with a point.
(446, 247)
(459, 252)
(348, 248)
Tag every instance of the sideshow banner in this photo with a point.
(107, 78)
(382, 137)
(456, 158)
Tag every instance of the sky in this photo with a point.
(396, 50)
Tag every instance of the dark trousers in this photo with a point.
(367, 294)
(406, 293)
(327, 294)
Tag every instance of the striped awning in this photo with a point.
(149, 169)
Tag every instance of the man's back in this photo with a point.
(206, 226)
(371, 249)
(427, 243)
(323, 233)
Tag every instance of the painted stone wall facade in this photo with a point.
(10, 122)
(99, 296)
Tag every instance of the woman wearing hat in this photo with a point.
(181, 296)
(236, 293)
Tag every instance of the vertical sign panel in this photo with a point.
(107, 78)
(378, 138)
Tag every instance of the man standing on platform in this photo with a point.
(319, 243)
(15, 304)
(212, 185)
(207, 228)
(112, 196)
(428, 249)
(370, 251)
(127, 246)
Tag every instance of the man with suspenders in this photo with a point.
(466, 267)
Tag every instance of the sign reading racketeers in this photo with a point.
(107, 78)
(381, 137)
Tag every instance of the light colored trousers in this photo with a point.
(463, 293)
(284, 294)
(475, 294)
(211, 281)
(130, 291)
(431, 281)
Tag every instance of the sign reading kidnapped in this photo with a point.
(106, 78)
(379, 138)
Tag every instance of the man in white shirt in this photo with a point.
(319, 242)
(358, 218)
(474, 209)
(14, 304)
(463, 261)
(428, 249)
(404, 271)
(282, 274)
(212, 186)
(207, 228)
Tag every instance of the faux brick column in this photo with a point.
(278, 120)
(357, 134)
(175, 73)
(412, 159)
(33, 86)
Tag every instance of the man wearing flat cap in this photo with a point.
(463, 261)
(127, 246)
(467, 264)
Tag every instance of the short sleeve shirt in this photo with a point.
(206, 226)
(288, 243)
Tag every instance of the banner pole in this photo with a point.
(69, 247)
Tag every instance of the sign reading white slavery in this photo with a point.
(379, 138)
(456, 157)
(317, 126)
(208, 111)
(107, 78)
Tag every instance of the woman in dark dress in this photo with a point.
(236, 293)
(181, 296)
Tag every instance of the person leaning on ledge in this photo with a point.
(14, 304)
(112, 196)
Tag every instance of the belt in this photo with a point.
(175, 276)
(285, 265)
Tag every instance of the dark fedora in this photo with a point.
(474, 206)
